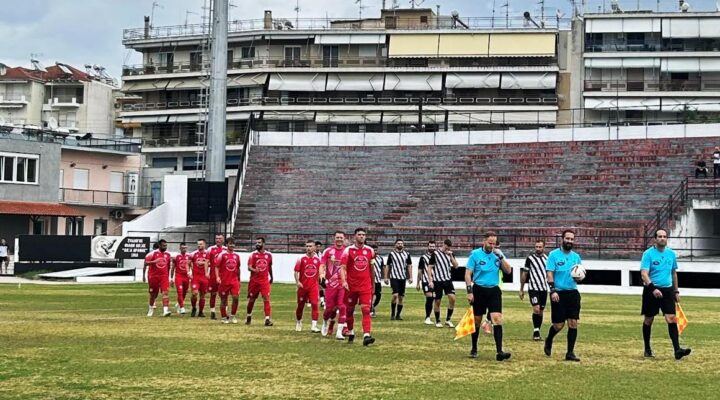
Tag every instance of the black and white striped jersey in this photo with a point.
(537, 275)
(441, 266)
(423, 266)
(379, 265)
(398, 261)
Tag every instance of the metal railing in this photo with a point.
(649, 45)
(184, 140)
(342, 24)
(47, 136)
(651, 85)
(234, 205)
(103, 198)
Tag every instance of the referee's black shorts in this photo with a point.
(486, 299)
(443, 287)
(567, 308)
(651, 305)
(426, 288)
(538, 298)
(378, 289)
(398, 286)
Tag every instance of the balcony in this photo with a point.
(692, 85)
(14, 101)
(183, 140)
(62, 102)
(47, 136)
(649, 46)
(103, 198)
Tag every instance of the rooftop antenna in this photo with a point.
(492, 20)
(558, 14)
(417, 3)
(297, 13)
(507, 13)
(395, 5)
(37, 66)
(155, 5)
(361, 7)
(187, 14)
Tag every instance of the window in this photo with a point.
(100, 227)
(19, 168)
(81, 178)
(330, 56)
(292, 53)
(232, 162)
(164, 162)
(230, 56)
(367, 50)
(247, 52)
(423, 19)
(166, 59)
(74, 226)
(116, 181)
(196, 60)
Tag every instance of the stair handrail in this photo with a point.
(234, 205)
(666, 212)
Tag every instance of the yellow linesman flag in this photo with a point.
(682, 321)
(466, 325)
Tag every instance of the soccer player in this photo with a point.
(379, 265)
(319, 252)
(200, 262)
(4, 260)
(261, 277)
(443, 261)
(425, 280)
(564, 296)
(356, 275)
(227, 272)
(334, 292)
(482, 279)
(158, 263)
(534, 274)
(306, 279)
(398, 271)
(658, 270)
(214, 252)
(180, 274)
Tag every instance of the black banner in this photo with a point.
(54, 248)
(133, 248)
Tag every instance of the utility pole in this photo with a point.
(218, 94)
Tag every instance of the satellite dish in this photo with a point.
(53, 123)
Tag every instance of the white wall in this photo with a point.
(172, 213)
(694, 229)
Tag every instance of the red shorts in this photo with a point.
(213, 286)
(158, 282)
(334, 297)
(182, 282)
(311, 295)
(258, 287)
(352, 298)
(200, 284)
(232, 288)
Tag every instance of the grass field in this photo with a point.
(94, 341)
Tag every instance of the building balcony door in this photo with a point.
(330, 56)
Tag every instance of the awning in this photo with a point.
(611, 103)
(522, 45)
(350, 39)
(413, 45)
(244, 80)
(413, 82)
(629, 62)
(463, 45)
(300, 82)
(694, 104)
(411, 118)
(145, 86)
(348, 117)
(616, 25)
(187, 83)
(288, 116)
(691, 27)
(36, 208)
(472, 80)
(690, 64)
(529, 80)
(355, 82)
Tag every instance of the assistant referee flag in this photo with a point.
(466, 326)
(681, 319)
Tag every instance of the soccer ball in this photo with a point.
(578, 273)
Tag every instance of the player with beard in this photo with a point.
(181, 274)
(214, 252)
(398, 272)
(379, 266)
(356, 276)
(227, 271)
(200, 262)
(261, 277)
(334, 292)
(535, 275)
(306, 279)
(425, 280)
(158, 278)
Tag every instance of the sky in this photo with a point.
(80, 32)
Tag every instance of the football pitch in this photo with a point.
(95, 342)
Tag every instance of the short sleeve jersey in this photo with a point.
(262, 262)
(308, 267)
(229, 265)
(660, 264)
(357, 264)
(425, 260)
(200, 260)
(162, 266)
(331, 258)
(561, 264)
(213, 254)
(181, 264)
(484, 267)
(379, 266)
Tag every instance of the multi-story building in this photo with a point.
(58, 97)
(645, 67)
(409, 70)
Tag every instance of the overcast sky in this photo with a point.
(82, 32)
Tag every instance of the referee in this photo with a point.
(443, 261)
(379, 265)
(425, 280)
(534, 274)
(564, 294)
(658, 270)
(483, 290)
(399, 266)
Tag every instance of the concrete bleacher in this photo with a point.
(606, 190)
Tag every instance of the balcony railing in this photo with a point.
(675, 85)
(649, 45)
(47, 136)
(183, 140)
(14, 98)
(322, 24)
(103, 198)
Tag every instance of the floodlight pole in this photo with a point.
(218, 94)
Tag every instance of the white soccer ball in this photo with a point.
(578, 272)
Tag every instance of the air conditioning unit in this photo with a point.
(117, 214)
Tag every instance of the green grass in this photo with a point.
(94, 341)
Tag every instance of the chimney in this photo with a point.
(147, 27)
(267, 21)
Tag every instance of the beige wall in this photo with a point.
(99, 178)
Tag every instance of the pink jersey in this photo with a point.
(357, 263)
(181, 264)
(308, 268)
(262, 262)
(200, 260)
(229, 265)
(331, 258)
(213, 253)
(162, 267)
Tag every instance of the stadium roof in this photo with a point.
(37, 208)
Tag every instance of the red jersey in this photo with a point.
(229, 265)
(308, 267)
(213, 253)
(331, 258)
(200, 259)
(162, 266)
(181, 264)
(262, 262)
(357, 263)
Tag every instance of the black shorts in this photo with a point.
(426, 289)
(567, 308)
(538, 298)
(486, 299)
(443, 287)
(398, 286)
(378, 289)
(3, 259)
(652, 305)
